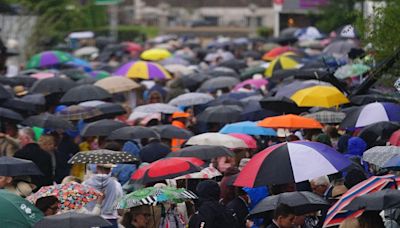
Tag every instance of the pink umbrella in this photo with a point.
(395, 138)
(43, 75)
(254, 83)
(250, 141)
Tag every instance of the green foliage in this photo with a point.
(264, 31)
(337, 13)
(130, 32)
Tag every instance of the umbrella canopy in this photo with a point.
(393, 163)
(206, 173)
(218, 83)
(153, 195)
(327, 117)
(35, 99)
(302, 203)
(193, 81)
(167, 168)
(378, 132)
(76, 112)
(293, 160)
(191, 99)
(52, 85)
(48, 59)
(247, 127)
(371, 113)
(11, 167)
(175, 60)
(339, 48)
(15, 211)
(379, 155)
(85, 93)
(19, 105)
(9, 114)
(48, 121)
(117, 84)
(133, 132)
(216, 139)
(351, 70)
(234, 64)
(101, 128)
(395, 138)
(72, 196)
(376, 201)
(72, 219)
(177, 69)
(283, 62)
(157, 108)
(319, 96)
(220, 114)
(249, 72)
(250, 141)
(88, 50)
(288, 89)
(143, 70)
(155, 54)
(203, 152)
(276, 52)
(4, 94)
(281, 105)
(290, 121)
(102, 157)
(252, 83)
(99, 74)
(170, 131)
(371, 98)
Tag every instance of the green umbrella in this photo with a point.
(249, 72)
(351, 70)
(15, 211)
(153, 195)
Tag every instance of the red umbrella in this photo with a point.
(395, 138)
(132, 47)
(275, 52)
(250, 141)
(167, 168)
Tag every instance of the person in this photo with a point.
(48, 144)
(370, 219)
(65, 150)
(9, 142)
(321, 186)
(137, 217)
(5, 181)
(283, 217)
(33, 152)
(49, 205)
(112, 189)
(21, 185)
(210, 213)
(154, 151)
(180, 120)
(240, 206)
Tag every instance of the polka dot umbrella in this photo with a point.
(102, 157)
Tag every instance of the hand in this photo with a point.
(100, 198)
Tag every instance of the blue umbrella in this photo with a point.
(80, 63)
(247, 127)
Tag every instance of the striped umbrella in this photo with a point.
(48, 59)
(336, 215)
(143, 70)
(284, 62)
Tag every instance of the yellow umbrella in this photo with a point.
(283, 62)
(155, 54)
(319, 96)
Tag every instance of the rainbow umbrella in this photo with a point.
(99, 74)
(155, 54)
(48, 58)
(143, 70)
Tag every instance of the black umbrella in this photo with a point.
(72, 219)
(234, 64)
(19, 105)
(12, 167)
(101, 128)
(36, 99)
(378, 132)
(170, 131)
(222, 71)
(9, 114)
(252, 54)
(111, 109)
(133, 132)
(52, 85)
(281, 105)
(218, 83)
(4, 94)
(220, 114)
(102, 157)
(193, 81)
(370, 98)
(48, 121)
(224, 100)
(376, 201)
(18, 80)
(85, 81)
(204, 152)
(85, 93)
(302, 203)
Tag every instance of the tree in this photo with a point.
(337, 13)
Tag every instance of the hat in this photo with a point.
(20, 90)
(107, 166)
(176, 115)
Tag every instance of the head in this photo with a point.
(284, 216)
(11, 129)
(140, 217)
(47, 143)
(26, 136)
(69, 179)
(5, 181)
(103, 168)
(49, 205)
(319, 185)
(208, 190)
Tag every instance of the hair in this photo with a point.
(350, 223)
(332, 132)
(27, 131)
(283, 210)
(44, 203)
(323, 180)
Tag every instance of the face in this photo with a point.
(52, 210)
(141, 220)
(286, 222)
(318, 189)
(24, 139)
(4, 181)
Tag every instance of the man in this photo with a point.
(240, 206)
(9, 142)
(321, 186)
(5, 181)
(33, 152)
(112, 190)
(180, 120)
(283, 217)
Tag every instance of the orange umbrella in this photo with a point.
(289, 121)
(275, 52)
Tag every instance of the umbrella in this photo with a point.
(206, 173)
(395, 138)
(255, 55)
(393, 163)
(285, 61)
(52, 85)
(88, 50)
(319, 96)
(101, 128)
(216, 139)
(282, 105)
(371, 113)
(142, 70)
(327, 117)
(220, 114)
(170, 131)
(19, 105)
(4, 94)
(379, 155)
(292, 160)
(17, 80)
(133, 132)
(249, 72)
(15, 211)
(117, 84)
(175, 60)
(222, 71)
(370, 98)
(12, 167)
(102, 157)
(191, 99)
(48, 121)
(276, 52)
(290, 121)
(193, 81)
(218, 83)
(9, 114)
(157, 108)
(376, 201)
(153, 195)
(43, 75)
(287, 90)
(167, 168)
(76, 112)
(203, 152)
(247, 127)
(35, 99)
(110, 110)
(378, 132)
(48, 59)
(72, 196)
(155, 54)
(132, 47)
(302, 203)
(250, 141)
(253, 83)
(99, 74)
(351, 70)
(85, 93)
(234, 64)
(177, 69)
(339, 48)
(72, 219)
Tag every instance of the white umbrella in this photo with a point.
(157, 108)
(379, 155)
(216, 139)
(89, 50)
(190, 99)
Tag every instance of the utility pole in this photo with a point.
(113, 15)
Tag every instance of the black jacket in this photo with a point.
(240, 209)
(65, 150)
